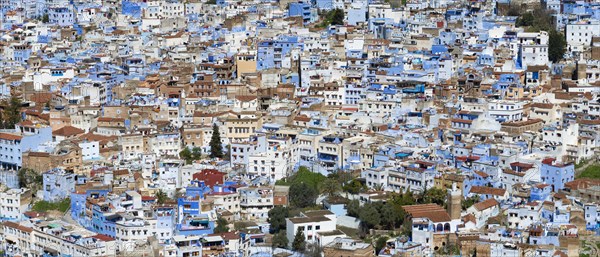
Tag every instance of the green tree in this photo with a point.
(12, 113)
(186, 155)
(513, 10)
(303, 175)
(330, 187)
(280, 240)
(277, 217)
(227, 155)
(380, 243)
(196, 153)
(370, 215)
(525, 20)
(353, 208)
(337, 17)
(434, 195)
(557, 46)
(216, 148)
(161, 196)
(354, 187)
(29, 178)
(469, 202)
(389, 216)
(299, 243)
(45, 18)
(221, 226)
(537, 20)
(302, 195)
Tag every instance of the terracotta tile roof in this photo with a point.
(38, 154)
(109, 119)
(25, 123)
(211, 177)
(433, 212)
(148, 198)
(582, 183)
(541, 186)
(522, 165)
(487, 191)
(227, 235)
(481, 174)
(462, 121)
(121, 172)
(68, 131)
(588, 122)
(103, 238)
(246, 98)
(302, 118)
(521, 123)
(469, 217)
(542, 105)
(480, 206)
(10, 137)
(17, 226)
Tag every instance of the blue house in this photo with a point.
(556, 173)
(58, 184)
(197, 189)
(78, 201)
(21, 53)
(592, 217)
(131, 8)
(540, 192)
(271, 52)
(302, 9)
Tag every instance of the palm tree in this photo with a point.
(161, 196)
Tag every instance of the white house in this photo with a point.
(484, 210)
(313, 224)
(579, 34)
(13, 203)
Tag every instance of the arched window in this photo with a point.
(439, 227)
(447, 227)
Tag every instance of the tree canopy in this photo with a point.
(221, 226)
(190, 155)
(302, 195)
(333, 17)
(277, 217)
(355, 186)
(330, 187)
(299, 243)
(280, 240)
(161, 196)
(216, 147)
(378, 215)
(12, 113)
(557, 46)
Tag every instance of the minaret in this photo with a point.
(454, 202)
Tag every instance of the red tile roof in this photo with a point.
(17, 226)
(480, 206)
(487, 191)
(211, 177)
(433, 212)
(103, 238)
(68, 131)
(10, 137)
